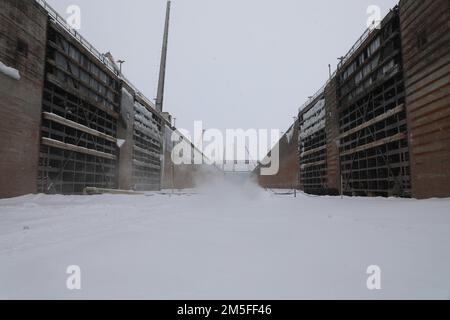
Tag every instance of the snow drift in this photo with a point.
(224, 242)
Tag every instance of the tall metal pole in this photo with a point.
(160, 94)
(162, 69)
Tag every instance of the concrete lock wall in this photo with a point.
(287, 176)
(421, 111)
(425, 32)
(409, 94)
(176, 176)
(187, 175)
(61, 126)
(23, 26)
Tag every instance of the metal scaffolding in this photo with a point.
(374, 153)
(79, 120)
(313, 146)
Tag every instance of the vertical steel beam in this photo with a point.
(162, 70)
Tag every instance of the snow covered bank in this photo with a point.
(223, 243)
(10, 72)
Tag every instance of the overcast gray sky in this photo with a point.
(232, 63)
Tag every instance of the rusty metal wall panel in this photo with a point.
(23, 26)
(426, 54)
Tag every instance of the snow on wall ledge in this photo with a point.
(10, 72)
(290, 134)
(145, 122)
(314, 120)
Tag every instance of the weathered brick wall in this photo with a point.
(23, 26)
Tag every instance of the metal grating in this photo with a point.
(147, 150)
(79, 121)
(312, 147)
(374, 153)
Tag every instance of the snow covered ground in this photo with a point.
(223, 243)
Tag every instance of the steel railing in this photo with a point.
(343, 61)
(53, 14)
(57, 18)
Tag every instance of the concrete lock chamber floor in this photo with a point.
(229, 240)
